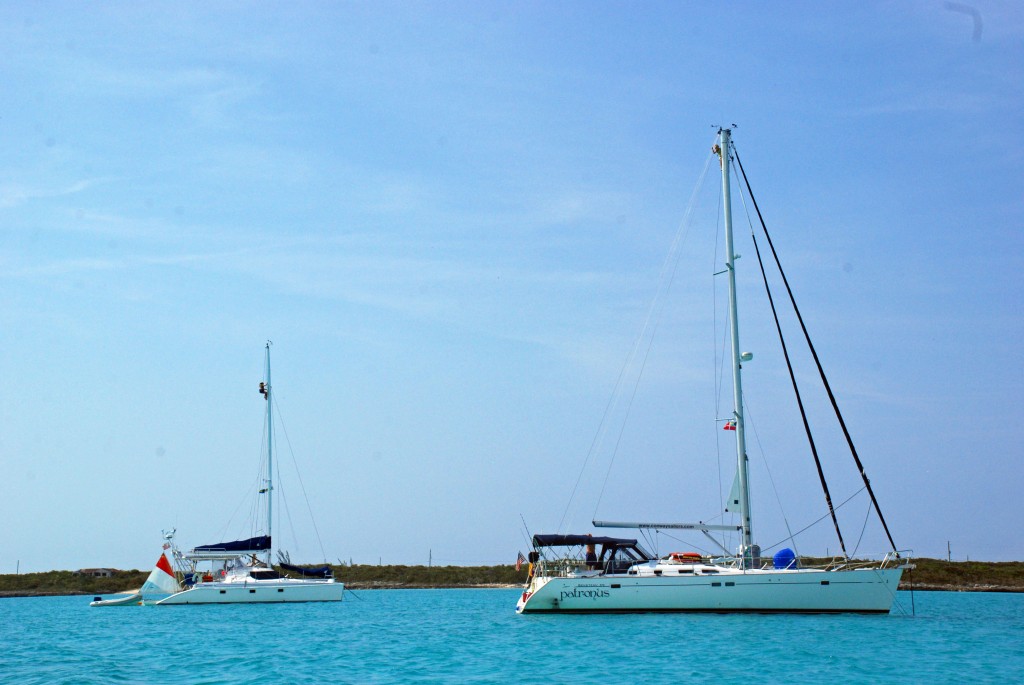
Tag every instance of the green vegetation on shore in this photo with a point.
(68, 583)
(367, 576)
(965, 576)
(355, 577)
(930, 574)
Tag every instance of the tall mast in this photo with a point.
(725, 138)
(270, 461)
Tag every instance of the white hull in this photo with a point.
(259, 592)
(123, 601)
(795, 591)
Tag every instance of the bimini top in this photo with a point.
(570, 540)
(614, 551)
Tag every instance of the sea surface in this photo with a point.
(474, 636)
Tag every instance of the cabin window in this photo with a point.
(824, 582)
(716, 585)
(280, 589)
(223, 592)
(252, 592)
(615, 586)
(729, 584)
(264, 574)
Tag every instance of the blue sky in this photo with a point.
(450, 219)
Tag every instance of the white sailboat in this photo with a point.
(623, 577)
(241, 571)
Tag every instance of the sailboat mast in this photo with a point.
(270, 462)
(725, 137)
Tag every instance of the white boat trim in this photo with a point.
(259, 592)
(713, 589)
(666, 526)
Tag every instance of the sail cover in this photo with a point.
(318, 572)
(257, 544)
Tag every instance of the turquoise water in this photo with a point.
(475, 636)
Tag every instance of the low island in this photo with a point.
(929, 574)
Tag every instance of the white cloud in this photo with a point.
(15, 194)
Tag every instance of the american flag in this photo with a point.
(519, 561)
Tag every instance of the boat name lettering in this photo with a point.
(577, 593)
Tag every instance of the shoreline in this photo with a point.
(974, 587)
(927, 575)
(386, 585)
(361, 586)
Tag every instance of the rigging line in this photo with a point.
(247, 498)
(796, 388)
(771, 479)
(816, 521)
(526, 532)
(721, 369)
(261, 478)
(687, 542)
(720, 364)
(598, 436)
(821, 371)
(251, 497)
(867, 516)
(720, 379)
(651, 538)
(298, 476)
(224, 530)
(625, 420)
(354, 595)
(757, 436)
(279, 485)
(613, 400)
(671, 260)
(287, 510)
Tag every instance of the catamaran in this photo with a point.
(241, 571)
(593, 574)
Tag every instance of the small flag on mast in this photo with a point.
(729, 426)
(519, 561)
